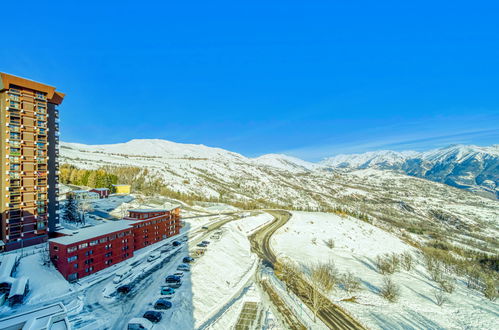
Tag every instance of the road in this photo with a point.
(332, 315)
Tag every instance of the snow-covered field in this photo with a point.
(356, 246)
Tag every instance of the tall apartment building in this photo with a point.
(29, 169)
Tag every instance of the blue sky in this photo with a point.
(308, 78)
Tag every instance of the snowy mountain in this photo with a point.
(285, 162)
(463, 166)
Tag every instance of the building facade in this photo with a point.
(29, 167)
(124, 189)
(103, 192)
(152, 226)
(89, 250)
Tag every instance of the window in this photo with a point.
(89, 261)
(92, 243)
(107, 255)
(75, 266)
(72, 249)
(72, 277)
(89, 269)
(56, 248)
(108, 262)
(108, 246)
(82, 246)
(90, 252)
(112, 237)
(103, 240)
(73, 258)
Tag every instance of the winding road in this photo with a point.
(332, 315)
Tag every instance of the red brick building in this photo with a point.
(151, 226)
(88, 250)
(103, 192)
(91, 249)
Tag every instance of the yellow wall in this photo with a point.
(123, 189)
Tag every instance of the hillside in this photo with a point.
(468, 167)
(416, 208)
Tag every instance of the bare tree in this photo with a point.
(350, 282)
(387, 263)
(330, 243)
(446, 284)
(288, 271)
(490, 289)
(322, 280)
(85, 207)
(389, 290)
(406, 260)
(440, 297)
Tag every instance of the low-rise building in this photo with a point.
(51, 317)
(151, 226)
(83, 194)
(91, 249)
(77, 254)
(103, 192)
(124, 189)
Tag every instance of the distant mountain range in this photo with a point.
(467, 167)
(463, 166)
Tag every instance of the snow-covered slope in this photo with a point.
(285, 162)
(463, 166)
(157, 148)
(357, 244)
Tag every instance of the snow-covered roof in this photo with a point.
(18, 287)
(148, 210)
(35, 319)
(100, 189)
(91, 232)
(6, 268)
(79, 191)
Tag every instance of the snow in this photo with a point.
(82, 234)
(19, 286)
(6, 267)
(285, 162)
(356, 246)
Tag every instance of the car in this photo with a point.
(166, 290)
(187, 260)
(155, 255)
(124, 289)
(173, 281)
(122, 274)
(205, 227)
(176, 243)
(153, 316)
(139, 323)
(206, 242)
(202, 245)
(162, 304)
(184, 267)
(179, 274)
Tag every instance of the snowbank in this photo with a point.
(356, 245)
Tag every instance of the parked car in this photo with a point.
(184, 267)
(124, 289)
(153, 316)
(122, 274)
(202, 245)
(205, 227)
(176, 243)
(162, 304)
(139, 323)
(206, 242)
(179, 274)
(155, 255)
(173, 281)
(187, 260)
(166, 290)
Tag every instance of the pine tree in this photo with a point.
(71, 210)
